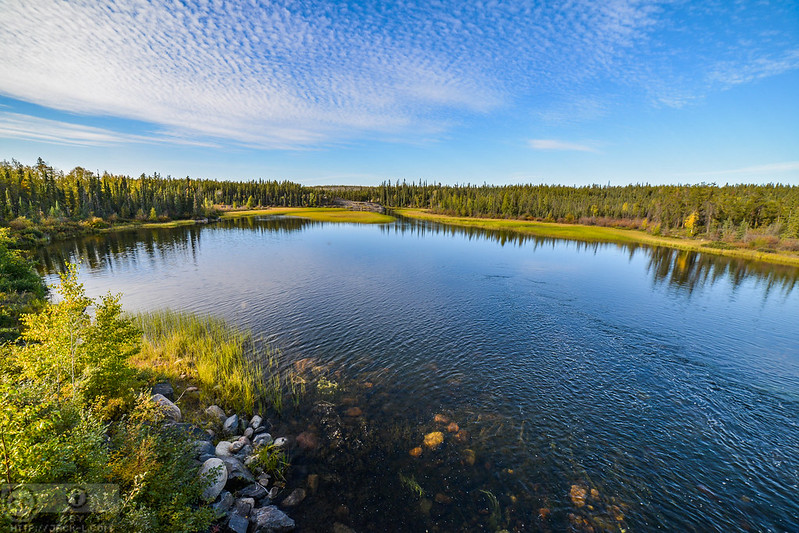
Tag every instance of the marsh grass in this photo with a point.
(231, 367)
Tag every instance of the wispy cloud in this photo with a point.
(553, 144)
(288, 74)
(19, 126)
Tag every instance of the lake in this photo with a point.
(594, 386)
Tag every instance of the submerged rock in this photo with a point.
(442, 499)
(217, 474)
(296, 496)
(453, 427)
(578, 493)
(441, 419)
(469, 457)
(313, 482)
(416, 452)
(307, 440)
(270, 519)
(354, 411)
(433, 440)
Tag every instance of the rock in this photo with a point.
(453, 427)
(338, 527)
(441, 419)
(354, 411)
(170, 410)
(543, 513)
(578, 494)
(416, 452)
(231, 425)
(595, 494)
(217, 474)
(244, 506)
(462, 436)
(307, 440)
(244, 453)
(342, 512)
(203, 447)
(263, 439)
(238, 475)
(273, 493)
(164, 389)
(254, 491)
(469, 457)
(312, 482)
(296, 496)
(244, 423)
(425, 505)
(280, 442)
(223, 449)
(263, 479)
(223, 504)
(260, 429)
(256, 422)
(249, 432)
(270, 519)
(238, 523)
(236, 447)
(216, 413)
(433, 440)
(442, 499)
(204, 457)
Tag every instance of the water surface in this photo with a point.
(666, 381)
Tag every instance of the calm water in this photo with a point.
(596, 386)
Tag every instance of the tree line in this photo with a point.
(698, 209)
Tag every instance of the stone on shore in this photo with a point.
(216, 413)
(223, 505)
(270, 519)
(231, 425)
(165, 389)
(203, 447)
(256, 421)
(223, 449)
(238, 475)
(217, 474)
(170, 410)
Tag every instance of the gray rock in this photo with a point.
(244, 506)
(270, 519)
(223, 449)
(280, 442)
(216, 413)
(231, 425)
(223, 504)
(165, 390)
(263, 479)
(236, 447)
(259, 430)
(263, 439)
(202, 447)
(237, 523)
(296, 496)
(256, 422)
(238, 475)
(216, 472)
(204, 457)
(249, 432)
(273, 493)
(244, 453)
(255, 491)
(170, 410)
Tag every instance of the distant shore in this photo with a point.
(583, 232)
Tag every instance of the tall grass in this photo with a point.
(231, 367)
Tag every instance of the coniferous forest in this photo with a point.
(39, 193)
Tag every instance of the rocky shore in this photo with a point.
(244, 496)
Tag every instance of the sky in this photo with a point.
(574, 92)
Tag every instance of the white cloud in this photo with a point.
(552, 144)
(288, 74)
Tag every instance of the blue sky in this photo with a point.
(571, 92)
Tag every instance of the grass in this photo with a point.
(321, 214)
(224, 362)
(599, 234)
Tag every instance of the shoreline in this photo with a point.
(581, 232)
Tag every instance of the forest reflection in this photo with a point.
(682, 270)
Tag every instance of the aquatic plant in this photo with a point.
(297, 387)
(495, 516)
(412, 485)
(273, 460)
(326, 387)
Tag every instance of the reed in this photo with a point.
(231, 367)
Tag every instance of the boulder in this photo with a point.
(170, 410)
(215, 471)
(238, 475)
(223, 504)
(254, 491)
(237, 523)
(202, 447)
(165, 390)
(223, 449)
(231, 425)
(216, 413)
(270, 519)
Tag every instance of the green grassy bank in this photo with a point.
(601, 234)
